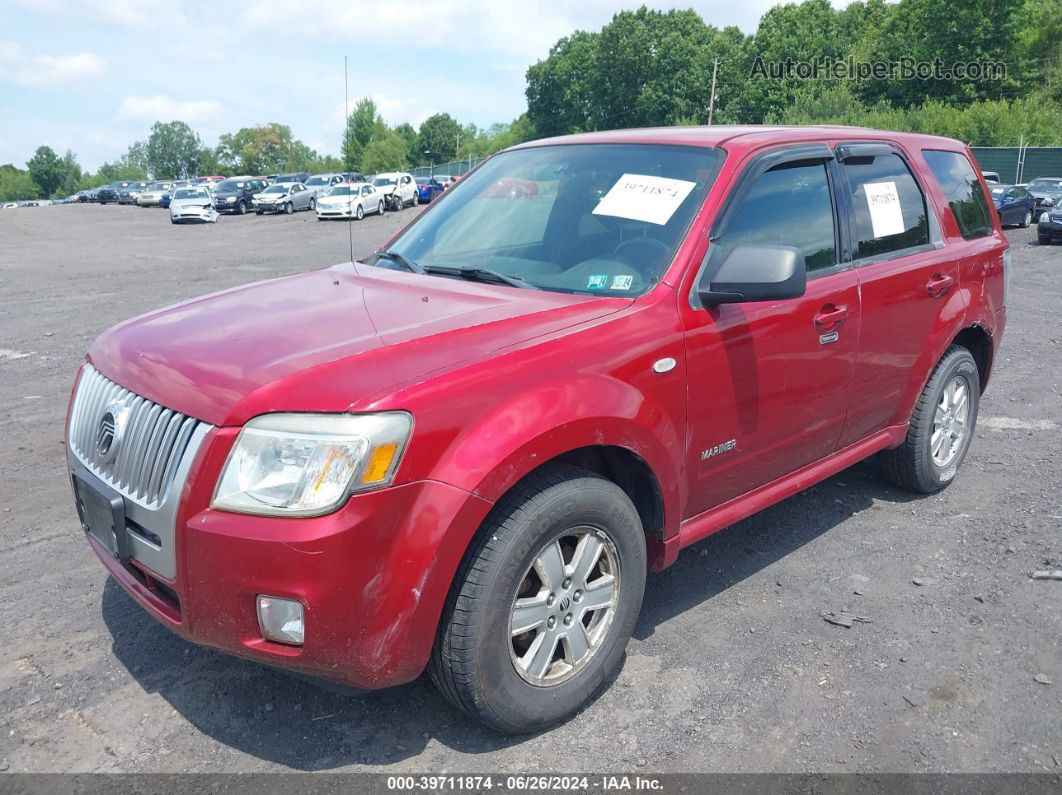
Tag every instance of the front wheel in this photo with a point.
(544, 603)
(1043, 240)
(941, 427)
(380, 208)
(359, 213)
(241, 208)
(1026, 220)
(289, 208)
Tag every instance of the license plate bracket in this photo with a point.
(102, 513)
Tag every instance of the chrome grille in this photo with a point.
(153, 439)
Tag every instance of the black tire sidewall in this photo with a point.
(516, 703)
(959, 363)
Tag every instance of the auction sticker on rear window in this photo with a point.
(884, 204)
(640, 197)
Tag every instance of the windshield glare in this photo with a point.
(317, 181)
(340, 190)
(586, 218)
(275, 189)
(191, 193)
(379, 181)
(229, 184)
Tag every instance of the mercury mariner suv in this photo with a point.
(464, 452)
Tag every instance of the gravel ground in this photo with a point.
(732, 667)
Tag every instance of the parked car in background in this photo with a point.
(152, 196)
(990, 176)
(1047, 191)
(108, 194)
(284, 197)
(1014, 204)
(319, 184)
(130, 193)
(350, 200)
(397, 188)
(427, 188)
(192, 204)
(301, 176)
(354, 176)
(236, 194)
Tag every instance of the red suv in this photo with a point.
(464, 453)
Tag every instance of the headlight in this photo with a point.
(231, 200)
(1049, 202)
(309, 464)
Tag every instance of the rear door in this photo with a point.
(769, 382)
(908, 281)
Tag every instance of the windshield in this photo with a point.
(587, 218)
(229, 185)
(341, 190)
(1045, 184)
(191, 193)
(381, 181)
(317, 181)
(286, 178)
(275, 189)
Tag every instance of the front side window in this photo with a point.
(789, 205)
(963, 192)
(889, 208)
(578, 218)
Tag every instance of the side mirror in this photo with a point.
(755, 273)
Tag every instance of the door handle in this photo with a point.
(939, 284)
(830, 316)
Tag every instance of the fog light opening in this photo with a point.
(281, 620)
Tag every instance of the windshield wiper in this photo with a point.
(408, 264)
(476, 274)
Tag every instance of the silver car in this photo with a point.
(193, 204)
(320, 184)
(284, 197)
(350, 200)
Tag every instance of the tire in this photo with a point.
(475, 661)
(380, 208)
(359, 213)
(241, 207)
(1026, 220)
(416, 198)
(313, 204)
(1043, 240)
(288, 209)
(913, 465)
(257, 212)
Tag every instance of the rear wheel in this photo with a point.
(416, 198)
(941, 427)
(544, 603)
(1026, 220)
(313, 204)
(359, 213)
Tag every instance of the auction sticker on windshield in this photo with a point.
(643, 198)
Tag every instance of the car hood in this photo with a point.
(324, 340)
(178, 203)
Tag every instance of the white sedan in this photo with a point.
(350, 200)
(192, 204)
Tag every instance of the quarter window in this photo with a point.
(789, 205)
(888, 205)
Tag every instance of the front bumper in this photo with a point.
(335, 212)
(1051, 227)
(207, 214)
(372, 577)
(267, 207)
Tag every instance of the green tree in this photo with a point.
(16, 184)
(363, 125)
(71, 174)
(438, 135)
(561, 96)
(46, 171)
(172, 150)
(265, 149)
(387, 153)
(409, 138)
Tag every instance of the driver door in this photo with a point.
(769, 382)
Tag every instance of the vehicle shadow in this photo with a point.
(311, 726)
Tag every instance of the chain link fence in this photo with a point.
(454, 168)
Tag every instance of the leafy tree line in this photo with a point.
(648, 68)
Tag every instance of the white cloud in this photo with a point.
(42, 69)
(163, 107)
(123, 13)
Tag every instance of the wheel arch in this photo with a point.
(979, 343)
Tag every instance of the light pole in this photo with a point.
(431, 164)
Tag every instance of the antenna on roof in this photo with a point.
(346, 123)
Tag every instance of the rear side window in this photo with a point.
(888, 205)
(963, 192)
(789, 205)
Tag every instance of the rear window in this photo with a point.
(963, 192)
(889, 208)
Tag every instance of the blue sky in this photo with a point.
(94, 75)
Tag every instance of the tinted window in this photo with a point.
(889, 208)
(787, 206)
(962, 191)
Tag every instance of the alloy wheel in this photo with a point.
(949, 422)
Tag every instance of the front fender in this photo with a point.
(535, 426)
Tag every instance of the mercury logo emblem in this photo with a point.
(109, 433)
(565, 603)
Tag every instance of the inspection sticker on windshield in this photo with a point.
(622, 282)
(597, 281)
(643, 198)
(884, 203)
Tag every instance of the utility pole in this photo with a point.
(711, 102)
(457, 154)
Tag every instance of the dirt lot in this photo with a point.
(732, 667)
